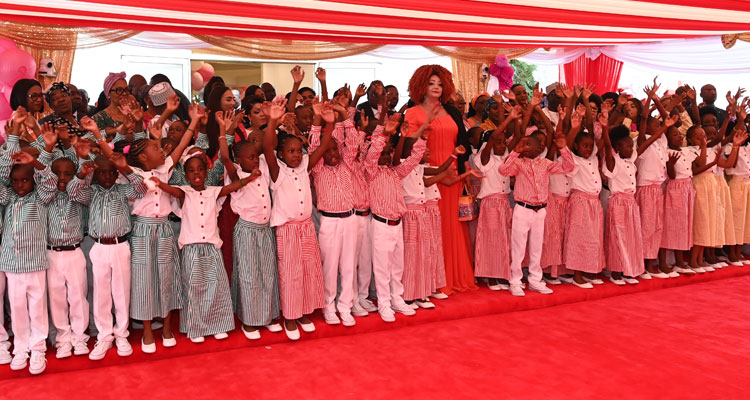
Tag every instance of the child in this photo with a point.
(679, 196)
(254, 284)
(432, 196)
(622, 241)
(387, 203)
(300, 269)
(584, 231)
(109, 224)
(531, 195)
(23, 258)
(725, 198)
(492, 245)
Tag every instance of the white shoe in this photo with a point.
(368, 305)
(347, 319)
(736, 263)
(645, 276)
(198, 339)
(252, 335)
(540, 288)
(403, 309)
(585, 285)
(387, 314)
(673, 274)
(101, 347)
(5, 357)
(709, 268)
(684, 271)
(719, 265)
(331, 318)
(221, 336)
(699, 270)
(358, 311)
(38, 363)
(308, 327)
(426, 304)
(64, 351)
(413, 305)
(20, 361)
(660, 275)
(629, 280)
(123, 347)
(495, 287)
(552, 281)
(80, 348)
(439, 296)
(274, 327)
(171, 342)
(517, 290)
(292, 335)
(595, 281)
(618, 282)
(147, 348)
(566, 279)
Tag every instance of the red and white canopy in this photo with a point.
(516, 23)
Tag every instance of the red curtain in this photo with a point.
(604, 72)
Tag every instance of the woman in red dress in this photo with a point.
(429, 87)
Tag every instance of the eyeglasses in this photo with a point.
(120, 90)
(35, 96)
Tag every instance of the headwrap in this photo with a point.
(56, 86)
(491, 102)
(110, 80)
(474, 101)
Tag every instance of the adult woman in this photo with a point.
(27, 93)
(430, 86)
(255, 120)
(58, 97)
(116, 90)
(457, 101)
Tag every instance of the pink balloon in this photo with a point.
(197, 81)
(5, 110)
(5, 91)
(207, 71)
(16, 64)
(6, 43)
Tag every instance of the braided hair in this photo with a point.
(136, 148)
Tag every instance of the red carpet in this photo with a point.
(670, 342)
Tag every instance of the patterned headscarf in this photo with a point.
(110, 80)
(56, 86)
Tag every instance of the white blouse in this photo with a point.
(291, 194)
(695, 152)
(683, 168)
(156, 202)
(622, 178)
(742, 168)
(652, 163)
(252, 202)
(199, 221)
(585, 176)
(413, 184)
(493, 182)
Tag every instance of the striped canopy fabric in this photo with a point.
(493, 23)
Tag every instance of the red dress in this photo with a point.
(459, 275)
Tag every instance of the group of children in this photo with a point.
(323, 209)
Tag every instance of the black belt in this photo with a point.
(531, 206)
(114, 240)
(605, 187)
(64, 248)
(391, 222)
(362, 213)
(174, 218)
(344, 214)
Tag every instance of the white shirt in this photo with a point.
(622, 178)
(156, 202)
(695, 152)
(652, 163)
(718, 171)
(585, 176)
(559, 184)
(164, 127)
(553, 116)
(432, 193)
(252, 202)
(199, 221)
(742, 168)
(413, 184)
(291, 194)
(493, 182)
(683, 168)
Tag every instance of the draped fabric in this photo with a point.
(479, 54)
(729, 40)
(604, 72)
(280, 49)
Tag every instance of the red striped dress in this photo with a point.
(492, 245)
(679, 200)
(436, 238)
(584, 232)
(552, 259)
(652, 172)
(418, 264)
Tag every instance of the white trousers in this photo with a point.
(363, 276)
(527, 225)
(67, 286)
(338, 244)
(388, 262)
(4, 343)
(111, 267)
(27, 293)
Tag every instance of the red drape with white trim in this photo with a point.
(604, 72)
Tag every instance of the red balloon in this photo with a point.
(16, 64)
(197, 81)
(207, 71)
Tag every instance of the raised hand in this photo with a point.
(673, 157)
(671, 120)
(320, 73)
(515, 112)
(575, 120)
(49, 134)
(690, 92)
(522, 146)
(536, 96)
(509, 95)
(563, 90)
(391, 124)
(622, 99)
(87, 169)
(82, 147)
(459, 150)
(562, 112)
(587, 91)
(298, 74)
(62, 132)
(289, 121)
(328, 113)
(603, 118)
(364, 121)
(118, 160)
(278, 108)
(739, 137)
(317, 107)
(197, 112)
(361, 90)
(581, 109)
(22, 157)
(560, 141)
(19, 116)
(432, 113)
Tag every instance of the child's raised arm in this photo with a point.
(173, 191)
(609, 157)
(739, 137)
(196, 114)
(239, 183)
(320, 73)
(297, 75)
(222, 120)
(326, 112)
(667, 123)
(276, 111)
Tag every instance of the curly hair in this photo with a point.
(419, 81)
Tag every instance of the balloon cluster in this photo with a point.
(201, 76)
(16, 64)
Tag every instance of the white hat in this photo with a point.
(160, 93)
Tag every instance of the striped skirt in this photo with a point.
(300, 269)
(208, 305)
(739, 189)
(650, 201)
(155, 282)
(554, 232)
(725, 214)
(436, 242)
(418, 265)
(492, 247)
(255, 283)
(584, 233)
(622, 241)
(705, 211)
(679, 199)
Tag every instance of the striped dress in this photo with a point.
(554, 226)
(417, 278)
(584, 231)
(652, 172)
(679, 199)
(208, 303)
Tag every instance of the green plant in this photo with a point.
(524, 74)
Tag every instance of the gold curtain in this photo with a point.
(729, 40)
(278, 49)
(467, 64)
